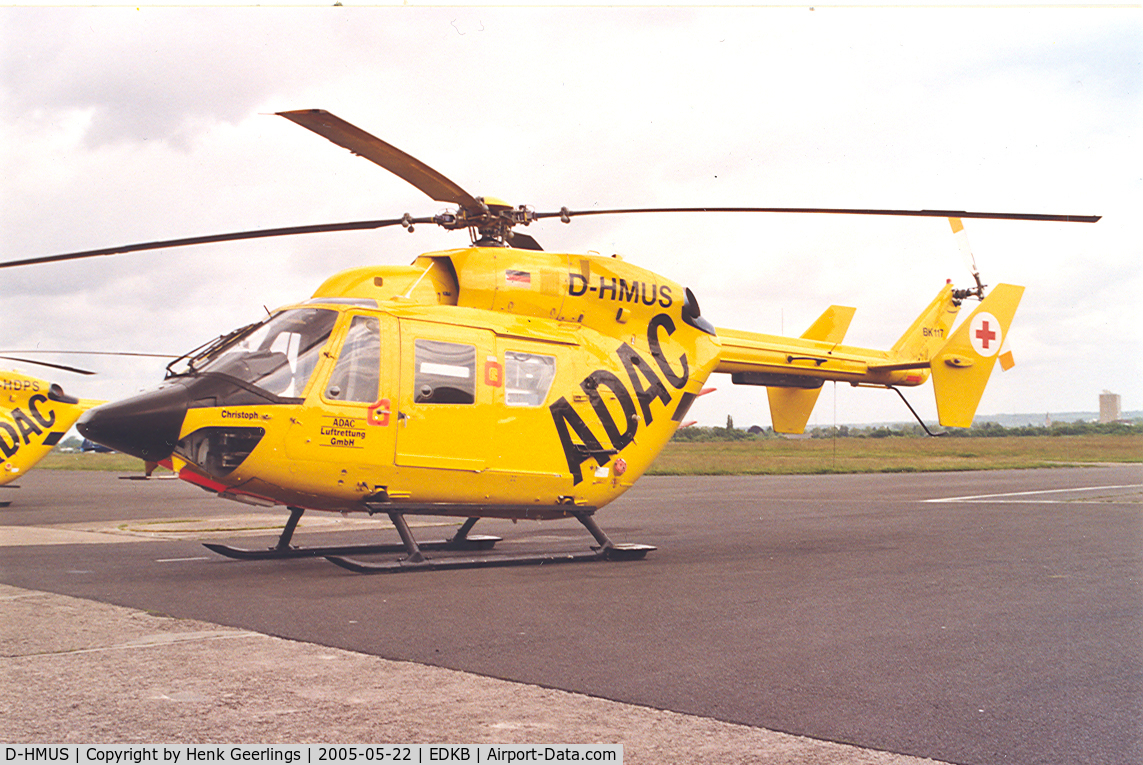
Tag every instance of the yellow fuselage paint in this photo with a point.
(34, 416)
(624, 367)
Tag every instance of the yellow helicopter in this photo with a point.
(34, 416)
(496, 380)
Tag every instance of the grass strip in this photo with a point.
(782, 456)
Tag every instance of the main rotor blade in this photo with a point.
(26, 351)
(232, 237)
(46, 364)
(389, 157)
(565, 213)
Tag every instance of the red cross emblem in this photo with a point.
(985, 335)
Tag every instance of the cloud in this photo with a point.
(123, 125)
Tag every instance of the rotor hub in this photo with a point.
(489, 224)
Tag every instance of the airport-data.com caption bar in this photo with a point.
(309, 754)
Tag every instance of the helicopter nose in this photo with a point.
(145, 426)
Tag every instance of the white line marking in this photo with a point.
(179, 560)
(1030, 493)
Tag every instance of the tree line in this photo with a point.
(983, 430)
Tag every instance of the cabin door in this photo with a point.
(444, 415)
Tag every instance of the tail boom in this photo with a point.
(794, 369)
(772, 360)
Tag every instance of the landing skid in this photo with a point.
(616, 552)
(416, 561)
(476, 542)
(462, 540)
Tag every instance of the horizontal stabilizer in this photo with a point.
(898, 367)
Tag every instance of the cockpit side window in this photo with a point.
(356, 375)
(280, 355)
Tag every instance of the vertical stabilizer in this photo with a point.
(930, 330)
(961, 368)
(790, 408)
(832, 325)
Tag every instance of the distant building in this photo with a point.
(1109, 408)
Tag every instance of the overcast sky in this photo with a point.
(125, 125)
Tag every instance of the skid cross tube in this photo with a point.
(411, 547)
(461, 534)
(461, 540)
(590, 524)
(288, 531)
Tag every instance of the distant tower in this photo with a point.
(1109, 409)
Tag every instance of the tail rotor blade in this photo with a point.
(962, 242)
(966, 251)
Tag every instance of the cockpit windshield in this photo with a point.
(277, 356)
